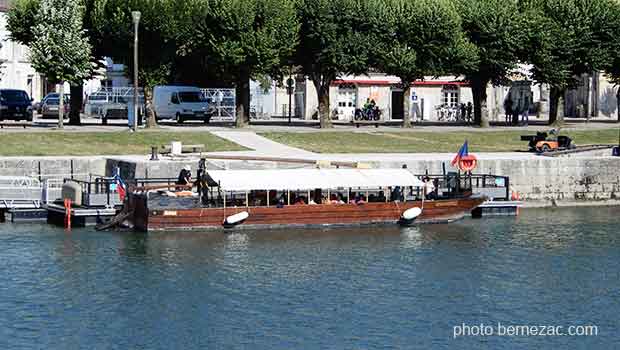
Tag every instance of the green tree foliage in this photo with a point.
(423, 38)
(337, 37)
(571, 38)
(496, 30)
(21, 21)
(59, 49)
(157, 46)
(241, 39)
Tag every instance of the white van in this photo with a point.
(180, 103)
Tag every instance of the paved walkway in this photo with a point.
(264, 147)
(261, 145)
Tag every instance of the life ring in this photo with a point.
(468, 163)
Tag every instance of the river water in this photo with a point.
(359, 288)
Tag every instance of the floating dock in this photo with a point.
(80, 217)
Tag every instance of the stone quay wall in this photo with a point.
(561, 179)
(539, 179)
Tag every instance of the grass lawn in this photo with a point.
(426, 142)
(58, 143)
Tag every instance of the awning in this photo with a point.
(307, 179)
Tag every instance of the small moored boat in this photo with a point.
(296, 197)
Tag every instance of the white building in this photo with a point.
(15, 69)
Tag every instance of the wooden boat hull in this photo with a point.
(185, 214)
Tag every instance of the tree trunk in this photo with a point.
(151, 119)
(61, 104)
(555, 118)
(407, 105)
(325, 117)
(618, 103)
(242, 91)
(77, 99)
(479, 92)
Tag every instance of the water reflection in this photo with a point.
(333, 288)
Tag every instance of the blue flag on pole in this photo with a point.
(462, 153)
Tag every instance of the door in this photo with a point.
(398, 98)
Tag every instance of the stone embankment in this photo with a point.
(586, 178)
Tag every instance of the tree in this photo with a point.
(59, 49)
(21, 21)
(237, 40)
(495, 30)
(113, 32)
(425, 39)
(613, 67)
(573, 38)
(336, 38)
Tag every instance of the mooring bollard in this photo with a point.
(154, 153)
(68, 214)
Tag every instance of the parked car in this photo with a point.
(50, 107)
(180, 103)
(15, 105)
(39, 106)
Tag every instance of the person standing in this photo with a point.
(470, 110)
(508, 109)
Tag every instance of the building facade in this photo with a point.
(15, 69)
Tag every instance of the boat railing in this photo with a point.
(99, 191)
(453, 184)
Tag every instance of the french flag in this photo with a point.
(462, 153)
(121, 188)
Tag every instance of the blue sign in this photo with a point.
(414, 97)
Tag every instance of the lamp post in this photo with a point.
(290, 89)
(136, 20)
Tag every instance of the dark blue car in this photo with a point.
(15, 105)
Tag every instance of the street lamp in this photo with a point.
(135, 15)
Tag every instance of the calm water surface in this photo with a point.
(370, 288)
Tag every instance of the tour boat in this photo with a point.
(255, 199)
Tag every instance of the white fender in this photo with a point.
(411, 214)
(236, 219)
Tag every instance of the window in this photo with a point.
(450, 96)
(14, 96)
(347, 97)
(174, 98)
(191, 96)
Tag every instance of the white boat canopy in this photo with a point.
(307, 179)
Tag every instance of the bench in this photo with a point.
(24, 125)
(367, 122)
(165, 149)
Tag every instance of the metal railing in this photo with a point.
(222, 104)
(115, 100)
(19, 192)
(452, 184)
